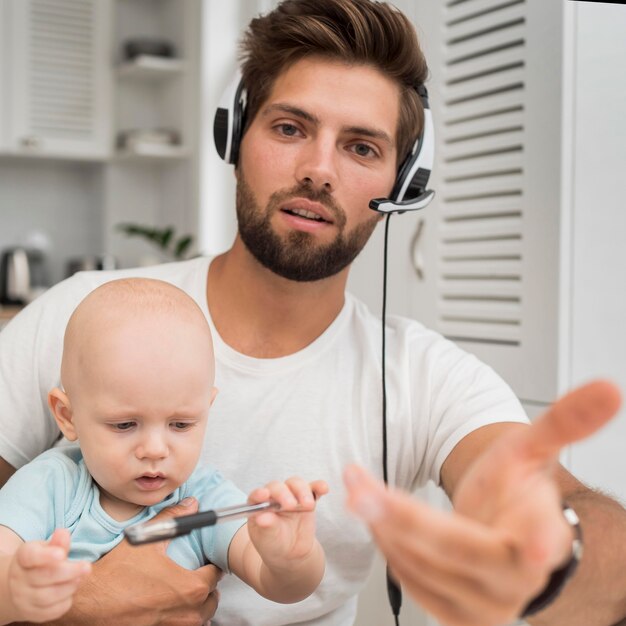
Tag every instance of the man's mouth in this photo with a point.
(308, 210)
(309, 215)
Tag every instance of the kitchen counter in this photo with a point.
(7, 313)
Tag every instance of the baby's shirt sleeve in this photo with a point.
(33, 501)
(213, 491)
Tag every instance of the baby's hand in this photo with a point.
(41, 579)
(283, 536)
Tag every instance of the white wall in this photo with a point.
(222, 26)
(57, 198)
(598, 296)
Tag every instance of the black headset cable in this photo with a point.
(393, 589)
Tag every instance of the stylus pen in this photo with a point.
(148, 532)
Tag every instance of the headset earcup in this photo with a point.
(403, 172)
(229, 121)
(413, 174)
(220, 132)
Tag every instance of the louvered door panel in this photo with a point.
(489, 251)
(61, 84)
(481, 161)
(492, 140)
(487, 43)
(487, 105)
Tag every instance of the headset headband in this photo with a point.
(409, 192)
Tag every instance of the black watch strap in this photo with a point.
(560, 576)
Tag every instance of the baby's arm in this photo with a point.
(277, 553)
(37, 581)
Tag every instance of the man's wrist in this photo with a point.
(559, 577)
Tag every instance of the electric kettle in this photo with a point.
(14, 277)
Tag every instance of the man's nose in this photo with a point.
(317, 164)
(152, 446)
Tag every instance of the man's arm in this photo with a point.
(484, 562)
(6, 471)
(597, 592)
(144, 587)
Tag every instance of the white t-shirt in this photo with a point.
(306, 414)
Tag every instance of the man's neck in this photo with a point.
(264, 315)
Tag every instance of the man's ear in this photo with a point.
(61, 408)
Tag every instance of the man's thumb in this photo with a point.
(184, 507)
(187, 506)
(366, 495)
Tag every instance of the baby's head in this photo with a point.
(137, 383)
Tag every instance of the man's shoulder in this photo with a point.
(398, 327)
(176, 272)
(61, 299)
(407, 340)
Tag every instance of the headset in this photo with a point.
(409, 192)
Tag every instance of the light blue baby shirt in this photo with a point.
(55, 490)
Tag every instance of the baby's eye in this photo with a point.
(182, 425)
(123, 426)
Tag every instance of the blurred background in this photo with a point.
(107, 160)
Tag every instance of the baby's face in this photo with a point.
(140, 410)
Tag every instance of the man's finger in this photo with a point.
(395, 517)
(207, 594)
(210, 576)
(208, 608)
(184, 507)
(575, 416)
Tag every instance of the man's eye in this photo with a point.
(363, 150)
(287, 129)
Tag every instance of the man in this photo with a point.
(332, 111)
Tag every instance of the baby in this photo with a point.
(137, 383)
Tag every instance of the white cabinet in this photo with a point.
(55, 68)
(156, 92)
(151, 181)
(67, 91)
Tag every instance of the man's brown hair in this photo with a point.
(361, 32)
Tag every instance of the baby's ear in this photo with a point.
(61, 408)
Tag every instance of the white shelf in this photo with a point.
(150, 68)
(147, 151)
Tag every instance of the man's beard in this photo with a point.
(297, 256)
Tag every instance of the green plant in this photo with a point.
(163, 238)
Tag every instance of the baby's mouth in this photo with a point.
(150, 482)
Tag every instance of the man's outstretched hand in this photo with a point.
(482, 563)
